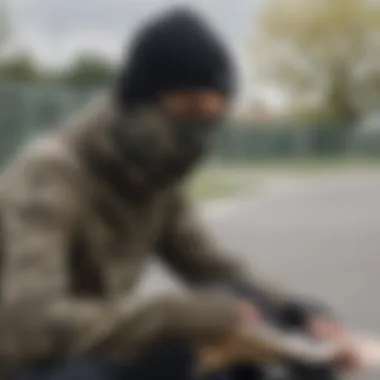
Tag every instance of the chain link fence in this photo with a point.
(26, 110)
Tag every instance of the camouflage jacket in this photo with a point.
(78, 224)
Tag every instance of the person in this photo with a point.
(83, 206)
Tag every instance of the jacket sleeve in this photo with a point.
(187, 247)
(40, 318)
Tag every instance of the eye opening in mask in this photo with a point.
(197, 104)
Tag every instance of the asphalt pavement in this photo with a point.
(318, 237)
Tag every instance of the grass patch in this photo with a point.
(322, 165)
(223, 181)
(213, 183)
(305, 167)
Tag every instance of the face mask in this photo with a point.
(143, 141)
(193, 138)
(194, 135)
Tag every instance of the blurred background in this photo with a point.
(309, 77)
(296, 169)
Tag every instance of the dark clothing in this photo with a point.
(166, 363)
(169, 362)
(176, 51)
(78, 235)
(84, 208)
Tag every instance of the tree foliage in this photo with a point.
(321, 52)
(19, 68)
(88, 70)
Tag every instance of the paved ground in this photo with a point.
(320, 236)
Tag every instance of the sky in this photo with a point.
(55, 31)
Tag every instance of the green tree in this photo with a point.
(88, 70)
(20, 68)
(320, 53)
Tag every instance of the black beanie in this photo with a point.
(175, 51)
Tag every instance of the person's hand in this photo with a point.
(324, 328)
(248, 312)
(235, 347)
